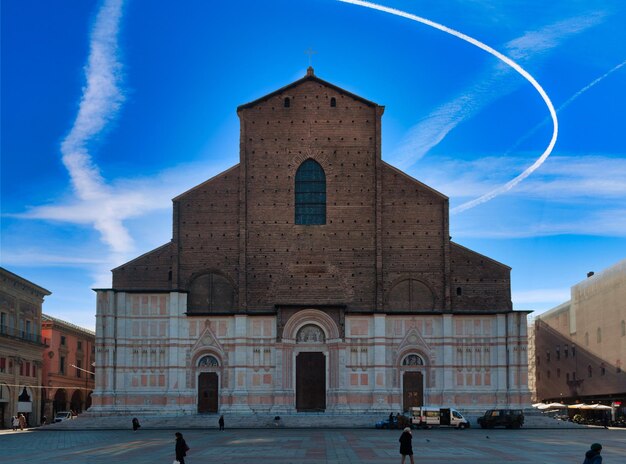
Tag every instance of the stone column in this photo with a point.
(240, 356)
(446, 376)
(380, 398)
(180, 396)
(502, 359)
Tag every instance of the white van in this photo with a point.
(63, 416)
(428, 416)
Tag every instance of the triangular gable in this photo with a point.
(207, 339)
(310, 76)
(413, 340)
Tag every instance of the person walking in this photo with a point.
(181, 448)
(406, 446)
(15, 422)
(593, 455)
(221, 422)
(22, 421)
(136, 424)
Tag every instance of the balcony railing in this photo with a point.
(12, 332)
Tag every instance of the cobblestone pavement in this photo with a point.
(291, 446)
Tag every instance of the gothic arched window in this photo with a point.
(310, 194)
(412, 360)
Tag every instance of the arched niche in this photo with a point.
(410, 295)
(210, 292)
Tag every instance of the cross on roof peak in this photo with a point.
(310, 52)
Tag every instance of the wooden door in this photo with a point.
(412, 390)
(310, 382)
(207, 392)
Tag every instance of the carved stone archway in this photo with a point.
(314, 317)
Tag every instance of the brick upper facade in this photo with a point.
(385, 245)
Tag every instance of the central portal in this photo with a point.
(310, 382)
(207, 392)
(413, 390)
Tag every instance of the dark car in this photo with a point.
(509, 418)
(397, 422)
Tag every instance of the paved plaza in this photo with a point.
(290, 446)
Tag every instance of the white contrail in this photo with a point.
(513, 182)
(99, 104)
(501, 57)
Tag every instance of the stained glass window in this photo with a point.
(310, 194)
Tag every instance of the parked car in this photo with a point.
(509, 418)
(63, 416)
(397, 422)
(429, 416)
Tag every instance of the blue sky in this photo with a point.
(111, 108)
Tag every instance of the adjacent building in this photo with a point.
(580, 346)
(68, 365)
(310, 277)
(21, 348)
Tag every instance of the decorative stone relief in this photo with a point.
(310, 334)
(208, 361)
(412, 360)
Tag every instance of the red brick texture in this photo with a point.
(385, 245)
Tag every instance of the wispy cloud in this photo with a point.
(569, 195)
(100, 103)
(37, 259)
(487, 88)
(492, 193)
(609, 222)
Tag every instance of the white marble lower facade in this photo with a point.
(150, 356)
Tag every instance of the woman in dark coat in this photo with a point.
(406, 447)
(135, 424)
(181, 448)
(593, 455)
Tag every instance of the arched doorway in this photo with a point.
(60, 401)
(310, 371)
(412, 381)
(208, 384)
(76, 404)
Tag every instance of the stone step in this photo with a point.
(256, 420)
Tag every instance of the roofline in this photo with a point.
(480, 254)
(141, 290)
(436, 192)
(563, 307)
(68, 325)
(310, 76)
(179, 196)
(26, 282)
(141, 256)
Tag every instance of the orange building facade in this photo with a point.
(67, 377)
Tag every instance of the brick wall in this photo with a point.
(316, 264)
(385, 232)
(484, 284)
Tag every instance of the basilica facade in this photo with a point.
(310, 277)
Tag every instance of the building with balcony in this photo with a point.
(68, 364)
(580, 346)
(21, 348)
